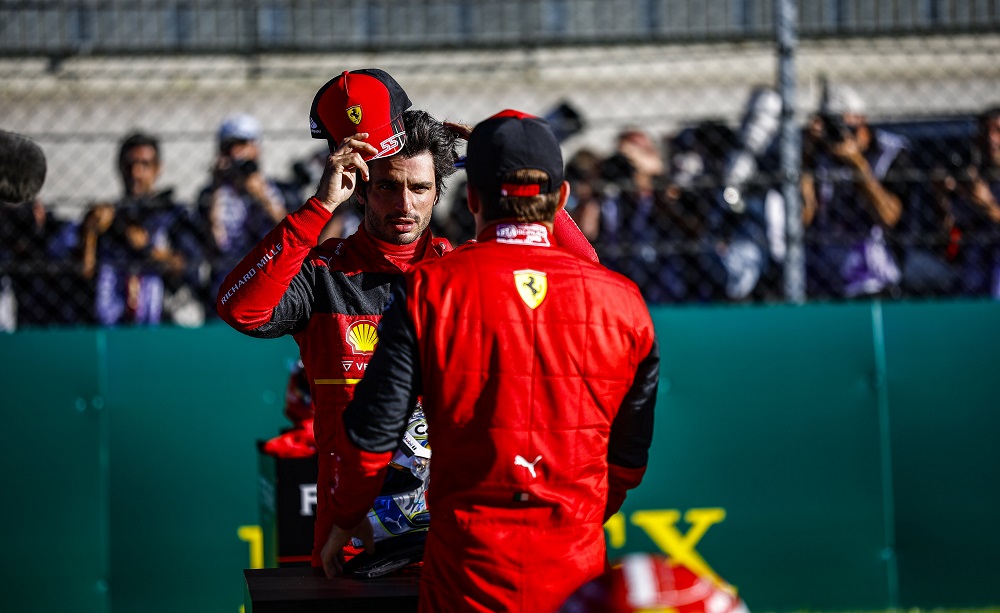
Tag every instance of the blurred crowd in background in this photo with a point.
(894, 210)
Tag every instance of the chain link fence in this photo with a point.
(669, 112)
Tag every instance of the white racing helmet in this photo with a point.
(414, 451)
(399, 516)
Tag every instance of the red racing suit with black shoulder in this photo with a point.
(539, 374)
(330, 298)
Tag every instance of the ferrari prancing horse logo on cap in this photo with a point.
(532, 286)
(354, 114)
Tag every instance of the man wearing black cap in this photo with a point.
(331, 297)
(538, 372)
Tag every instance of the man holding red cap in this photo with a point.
(538, 372)
(331, 297)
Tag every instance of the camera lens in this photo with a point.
(246, 167)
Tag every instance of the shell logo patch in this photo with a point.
(532, 286)
(362, 336)
(354, 114)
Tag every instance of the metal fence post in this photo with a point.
(786, 35)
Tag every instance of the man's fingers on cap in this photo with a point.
(363, 145)
(460, 129)
(360, 136)
(352, 161)
(362, 167)
(347, 158)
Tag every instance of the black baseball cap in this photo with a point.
(510, 141)
(366, 100)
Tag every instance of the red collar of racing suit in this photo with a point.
(518, 233)
(381, 255)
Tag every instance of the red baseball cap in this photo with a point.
(366, 100)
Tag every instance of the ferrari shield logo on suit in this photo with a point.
(532, 286)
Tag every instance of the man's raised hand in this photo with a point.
(338, 181)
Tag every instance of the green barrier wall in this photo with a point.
(131, 466)
(943, 376)
(770, 416)
(822, 457)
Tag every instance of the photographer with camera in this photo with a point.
(967, 193)
(856, 182)
(240, 205)
(141, 252)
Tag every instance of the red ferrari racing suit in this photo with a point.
(539, 373)
(330, 298)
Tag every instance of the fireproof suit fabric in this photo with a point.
(539, 374)
(330, 299)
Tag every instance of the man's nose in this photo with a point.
(405, 201)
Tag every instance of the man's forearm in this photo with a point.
(887, 205)
(252, 290)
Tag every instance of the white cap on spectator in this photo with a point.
(240, 127)
(840, 100)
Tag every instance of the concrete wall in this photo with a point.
(79, 108)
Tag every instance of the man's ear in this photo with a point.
(563, 195)
(473, 200)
